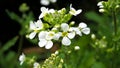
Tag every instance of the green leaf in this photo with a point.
(10, 56)
(14, 16)
(9, 44)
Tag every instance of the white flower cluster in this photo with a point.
(62, 32)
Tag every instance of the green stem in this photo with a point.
(115, 23)
(115, 42)
(19, 49)
(20, 44)
(115, 29)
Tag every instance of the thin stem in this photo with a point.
(19, 49)
(19, 46)
(115, 23)
(115, 42)
(115, 29)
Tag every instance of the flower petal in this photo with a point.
(53, 1)
(82, 25)
(86, 30)
(51, 11)
(100, 4)
(41, 16)
(39, 24)
(71, 35)
(64, 27)
(42, 42)
(32, 25)
(74, 11)
(66, 41)
(22, 58)
(77, 30)
(44, 10)
(50, 35)
(71, 29)
(32, 35)
(49, 45)
(45, 2)
(78, 12)
(42, 35)
(57, 36)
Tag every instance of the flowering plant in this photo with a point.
(55, 26)
(66, 43)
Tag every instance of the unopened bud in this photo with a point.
(72, 23)
(117, 6)
(93, 36)
(77, 48)
(56, 52)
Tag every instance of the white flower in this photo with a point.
(66, 34)
(22, 58)
(47, 2)
(44, 11)
(100, 4)
(77, 48)
(74, 12)
(83, 28)
(36, 26)
(45, 39)
(36, 65)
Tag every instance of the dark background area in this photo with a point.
(10, 28)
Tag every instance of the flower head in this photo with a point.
(45, 39)
(74, 11)
(35, 26)
(101, 6)
(83, 28)
(44, 11)
(22, 58)
(66, 34)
